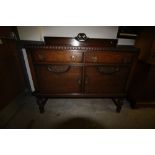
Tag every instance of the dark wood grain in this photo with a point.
(5, 31)
(142, 85)
(145, 42)
(11, 72)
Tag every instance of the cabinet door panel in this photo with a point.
(106, 79)
(55, 79)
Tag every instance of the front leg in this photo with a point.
(41, 103)
(118, 102)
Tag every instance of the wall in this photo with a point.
(30, 33)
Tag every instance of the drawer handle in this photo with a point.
(58, 68)
(108, 69)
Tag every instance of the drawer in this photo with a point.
(108, 57)
(57, 56)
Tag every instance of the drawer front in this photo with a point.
(106, 79)
(108, 57)
(58, 79)
(57, 56)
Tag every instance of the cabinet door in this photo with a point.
(106, 79)
(58, 79)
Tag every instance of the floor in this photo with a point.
(23, 113)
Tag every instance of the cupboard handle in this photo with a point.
(58, 68)
(108, 69)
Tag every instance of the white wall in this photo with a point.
(30, 33)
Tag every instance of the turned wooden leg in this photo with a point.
(118, 102)
(41, 103)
